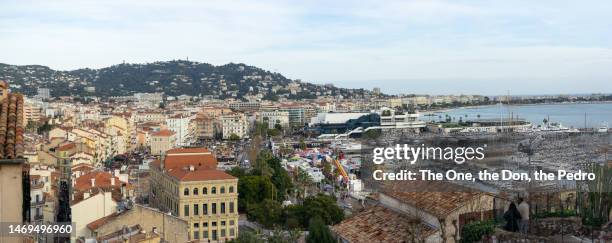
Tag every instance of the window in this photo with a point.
(214, 224)
(214, 208)
(222, 223)
(222, 207)
(213, 190)
(205, 234)
(195, 210)
(222, 189)
(186, 211)
(204, 209)
(195, 191)
(232, 232)
(222, 232)
(231, 206)
(196, 235)
(231, 189)
(186, 192)
(205, 225)
(214, 234)
(204, 190)
(232, 222)
(196, 225)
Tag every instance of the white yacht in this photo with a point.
(603, 127)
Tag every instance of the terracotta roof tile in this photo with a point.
(380, 224)
(163, 133)
(11, 127)
(436, 198)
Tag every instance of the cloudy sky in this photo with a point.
(428, 46)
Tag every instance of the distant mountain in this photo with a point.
(171, 77)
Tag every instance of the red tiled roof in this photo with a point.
(101, 221)
(436, 198)
(163, 133)
(178, 163)
(380, 224)
(11, 127)
(184, 174)
(66, 147)
(102, 180)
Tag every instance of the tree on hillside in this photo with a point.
(318, 232)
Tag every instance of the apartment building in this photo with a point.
(234, 123)
(186, 183)
(162, 141)
(272, 118)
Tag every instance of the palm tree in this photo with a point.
(303, 180)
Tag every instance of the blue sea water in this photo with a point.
(570, 115)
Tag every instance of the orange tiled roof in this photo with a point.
(102, 180)
(436, 198)
(380, 224)
(66, 147)
(184, 174)
(11, 127)
(163, 133)
(178, 161)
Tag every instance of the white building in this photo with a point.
(235, 123)
(275, 117)
(394, 119)
(180, 125)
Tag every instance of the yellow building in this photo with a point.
(162, 141)
(186, 183)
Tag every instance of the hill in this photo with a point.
(171, 77)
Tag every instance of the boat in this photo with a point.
(603, 127)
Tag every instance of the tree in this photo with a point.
(318, 232)
(303, 180)
(372, 134)
(234, 137)
(247, 237)
(267, 213)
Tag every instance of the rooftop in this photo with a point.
(380, 224)
(11, 129)
(436, 198)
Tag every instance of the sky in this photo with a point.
(425, 47)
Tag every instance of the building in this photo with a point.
(162, 141)
(43, 93)
(273, 118)
(234, 123)
(168, 227)
(14, 174)
(390, 118)
(245, 106)
(179, 124)
(207, 127)
(186, 183)
(381, 224)
(296, 115)
(338, 123)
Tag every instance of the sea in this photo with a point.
(576, 115)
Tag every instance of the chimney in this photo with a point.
(112, 180)
(93, 182)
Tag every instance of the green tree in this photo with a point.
(303, 180)
(268, 212)
(318, 232)
(247, 237)
(234, 137)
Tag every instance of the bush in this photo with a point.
(474, 231)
